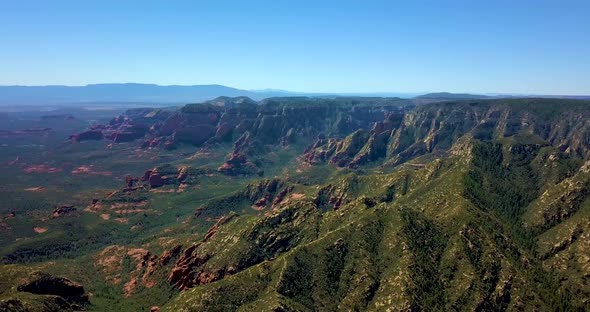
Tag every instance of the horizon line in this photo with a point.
(270, 90)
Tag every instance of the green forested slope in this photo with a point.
(472, 205)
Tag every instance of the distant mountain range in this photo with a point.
(118, 92)
(452, 96)
(447, 96)
(136, 93)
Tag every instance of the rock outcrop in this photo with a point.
(238, 162)
(189, 269)
(169, 175)
(63, 210)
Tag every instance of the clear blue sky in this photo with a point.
(518, 46)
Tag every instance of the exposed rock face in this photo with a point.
(148, 269)
(145, 267)
(189, 269)
(436, 127)
(156, 179)
(192, 268)
(134, 125)
(273, 234)
(281, 121)
(183, 174)
(220, 222)
(63, 210)
(167, 174)
(284, 124)
(181, 274)
(397, 133)
(281, 196)
(238, 162)
(262, 202)
(266, 193)
(152, 142)
(45, 284)
(224, 131)
(170, 254)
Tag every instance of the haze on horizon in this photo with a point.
(524, 47)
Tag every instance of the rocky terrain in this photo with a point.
(434, 128)
(252, 125)
(305, 204)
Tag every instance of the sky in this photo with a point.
(519, 47)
